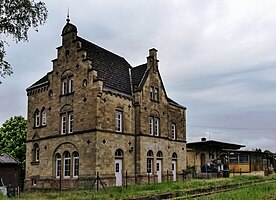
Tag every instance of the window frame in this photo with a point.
(173, 131)
(154, 93)
(119, 121)
(67, 165)
(70, 122)
(58, 165)
(149, 162)
(154, 126)
(43, 117)
(37, 118)
(63, 122)
(76, 164)
(67, 85)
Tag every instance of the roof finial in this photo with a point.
(68, 16)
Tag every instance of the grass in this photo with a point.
(255, 192)
(144, 190)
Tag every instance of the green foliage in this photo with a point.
(13, 138)
(16, 18)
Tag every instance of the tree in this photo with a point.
(16, 18)
(13, 138)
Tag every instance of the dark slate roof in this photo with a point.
(214, 144)
(113, 69)
(7, 159)
(40, 82)
(137, 74)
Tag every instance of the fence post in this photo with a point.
(240, 171)
(97, 181)
(183, 175)
(167, 175)
(148, 178)
(126, 179)
(60, 183)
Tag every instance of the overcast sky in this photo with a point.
(217, 58)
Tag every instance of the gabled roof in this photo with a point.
(7, 159)
(113, 69)
(137, 74)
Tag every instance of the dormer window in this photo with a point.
(154, 93)
(173, 129)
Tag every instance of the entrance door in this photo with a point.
(159, 170)
(174, 170)
(119, 172)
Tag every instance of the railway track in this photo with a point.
(195, 193)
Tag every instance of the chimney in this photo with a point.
(203, 139)
(152, 61)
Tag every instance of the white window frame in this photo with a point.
(64, 86)
(43, 117)
(63, 124)
(154, 93)
(37, 118)
(151, 121)
(70, 122)
(173, 129)
(67, 163)
(149, 162)
(76, 164)
(119, 121)
(156, 126)
(71, 85)
(58, 166)
(36, 152)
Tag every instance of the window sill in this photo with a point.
(38, 127)
(35, 163)
(67, 94)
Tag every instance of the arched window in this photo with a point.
(37, 118)
(174, 156)
(36, 153)
(76, 164)
(43, 117)
(149, 162)
(58, 165)
(119, 153)
(67, 161)
(159, 155)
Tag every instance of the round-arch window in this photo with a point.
(159, 154)
(119, 153)
(174, 155)
(150, 153)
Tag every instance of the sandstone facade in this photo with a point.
(94, 113)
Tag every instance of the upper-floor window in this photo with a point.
(154, 126)
(43, 117)
(71, 122)
(173, 131)
(36, 152)
(67, 123)
(67, 85)
(40, 117)
(154, 93)
(37, 118)
(118, 121)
